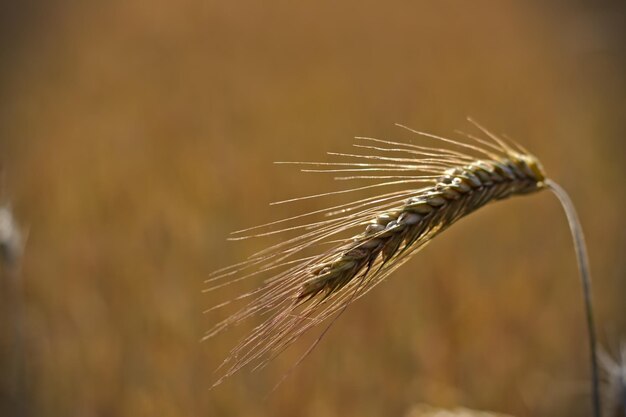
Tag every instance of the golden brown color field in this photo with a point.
(135, 135)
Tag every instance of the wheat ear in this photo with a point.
(368, 238)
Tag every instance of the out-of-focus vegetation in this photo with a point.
(428, 411)
(134, 135)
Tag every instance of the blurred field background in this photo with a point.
(135, 135)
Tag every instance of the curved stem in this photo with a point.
(585, 276)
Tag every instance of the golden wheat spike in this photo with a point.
(370, 238)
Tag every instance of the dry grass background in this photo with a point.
(135, 135)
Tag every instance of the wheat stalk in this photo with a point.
(585, 276)
(369, 238)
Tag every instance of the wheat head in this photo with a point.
(300, 292)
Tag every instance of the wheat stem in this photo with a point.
(585, 276)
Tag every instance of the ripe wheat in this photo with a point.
(368, 238)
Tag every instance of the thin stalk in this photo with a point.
(585, 276)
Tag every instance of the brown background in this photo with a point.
(134, 135)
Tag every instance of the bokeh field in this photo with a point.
(135, 135)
